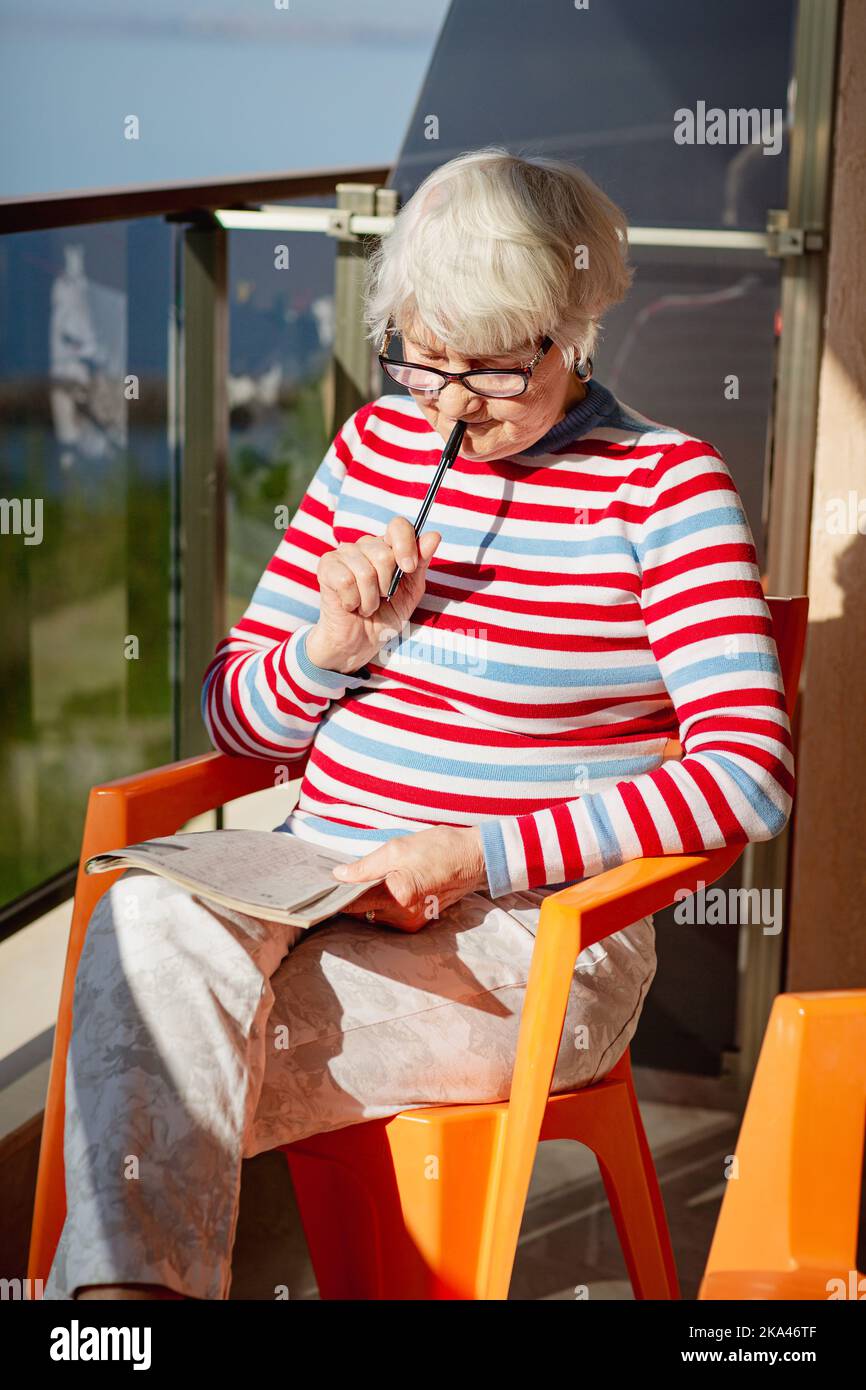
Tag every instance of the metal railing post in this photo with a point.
(351, 375)
(788, 502)
(205, 430)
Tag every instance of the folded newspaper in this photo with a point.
(264, 873)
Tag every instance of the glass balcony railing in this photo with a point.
(281, 337)
(103, 647)
(85, 564)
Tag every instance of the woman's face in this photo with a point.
(496, 428)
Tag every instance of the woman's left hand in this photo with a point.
(426, 872)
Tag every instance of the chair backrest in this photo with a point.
(789, 616)
(794, 1201)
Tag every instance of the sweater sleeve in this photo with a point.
(262, 696)
(710, 634)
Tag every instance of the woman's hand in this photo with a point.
(355, 618)
(425, 873)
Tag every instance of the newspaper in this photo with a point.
(264, 873)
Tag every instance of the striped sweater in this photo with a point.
(592, 597)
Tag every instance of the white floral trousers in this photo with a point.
(203, 1036)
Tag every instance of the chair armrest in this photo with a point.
(607, 902)
(149, 804)
(156, 802)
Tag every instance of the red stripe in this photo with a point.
(650, 840)
(755, 754)
(532, 851)
(470, 628)
(596, 737)
(566, 834)
(728, 626)
(576, 709)
(702, 593)
(706, 783)
(733, 552)
(678, 807)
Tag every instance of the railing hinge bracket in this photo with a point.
(783, 241)
(340, 224)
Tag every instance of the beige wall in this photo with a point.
(827, 942)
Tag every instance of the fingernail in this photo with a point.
(340, 871)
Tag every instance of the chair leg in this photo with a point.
(340, 1225)
(635, 1198)
(605, 1117)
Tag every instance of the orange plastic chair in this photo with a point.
(787, 1227)
(378, 1222)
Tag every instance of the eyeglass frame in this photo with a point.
(525, 370)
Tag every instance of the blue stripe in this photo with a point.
(329, 481)
(346, 832)
(318, 675)
(551, 678)
(721, 666)
(469, 772)
(475, 539)
(495, 858)
(300, 734)
(773, 818)
(611, 853)
(204, 694)
(284, 603)
(690, 526)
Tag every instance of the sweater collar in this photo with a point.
(595, 407)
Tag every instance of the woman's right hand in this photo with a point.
(355, 618)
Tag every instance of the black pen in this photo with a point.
(449, 454)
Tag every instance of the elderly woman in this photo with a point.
(589, 596)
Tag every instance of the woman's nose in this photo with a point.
(459, 403)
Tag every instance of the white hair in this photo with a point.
(493, 251)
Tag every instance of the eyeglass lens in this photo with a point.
(482, 383)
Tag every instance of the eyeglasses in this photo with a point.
(492, 381)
